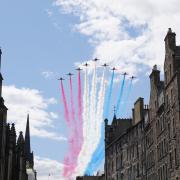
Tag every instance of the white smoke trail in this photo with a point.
(93, 99)
(89, 123)
(86, 106)
(100, 106)
(82, 159)
(98, 142)
(96, 114)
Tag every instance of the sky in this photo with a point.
(43, 40)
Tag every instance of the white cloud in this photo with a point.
(48, 74)
(46, 167)
(110, 27)
(127, 34)
(21, 101)
(49, 12)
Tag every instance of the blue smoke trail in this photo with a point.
(128, 95)
(108, 99)
(120, 94)
(129, 89)
(97, 156)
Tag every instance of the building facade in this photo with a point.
(124, 151)
(148, 146)
(97, 177)
(16, 157)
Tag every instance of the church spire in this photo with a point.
(2, 106)
(28, 154)
(1, 78)
(27, 138)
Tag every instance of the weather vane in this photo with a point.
(49, 175)
(114, 110)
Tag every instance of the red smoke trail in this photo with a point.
(80, 109)
(75, 140)
(72, 100)
(66, 111)
(67, 159)
(75, 136)
(70, 159)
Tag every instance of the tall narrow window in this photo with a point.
(166, 80)
(170, 71)
(137, 150)
(167, 100)
(164, 174)
(161, 174)
(137, 169)
(121, 160)
(174, 128)
(175, 156)
(157, 127)
(158, 152)
(170, 159)
(169, 130)
(171, 96)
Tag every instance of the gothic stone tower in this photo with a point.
(13, 155)
(29, 155)
(3, 123)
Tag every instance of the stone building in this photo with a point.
(97, 177)
(15, 155)
(124, 151)
(147, 147)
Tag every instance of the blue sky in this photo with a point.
(31, 44)
(39, 37)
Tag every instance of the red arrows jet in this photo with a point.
(105, 65)
(69, 74)
(114, 69)
(86, 64)
(125, 74)
(132, 77)
(96, 59)
(79, 69)
(61, 79)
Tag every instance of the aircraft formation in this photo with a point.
(94, 100)
(104, 65)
